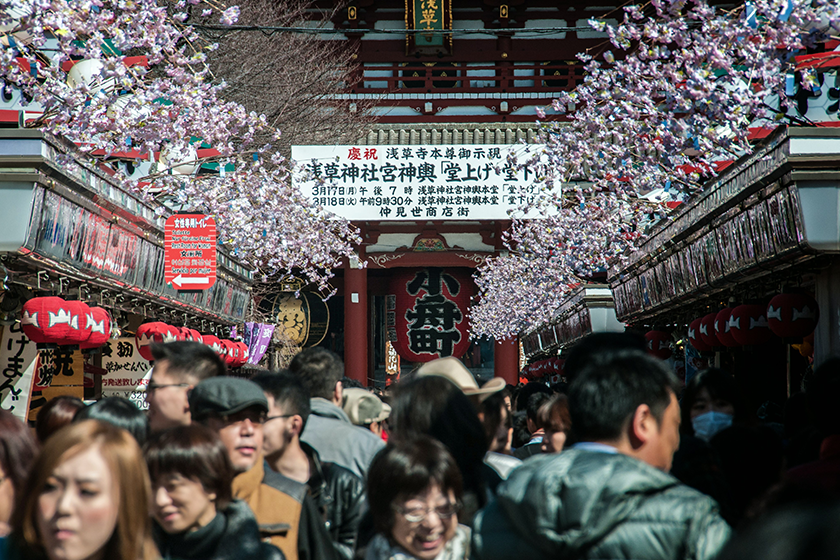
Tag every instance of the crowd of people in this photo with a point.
(303, 464)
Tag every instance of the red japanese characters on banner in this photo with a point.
(427, 313)
(190, 252)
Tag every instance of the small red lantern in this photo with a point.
(98, 322)
(185, 333)
(213, 343)
(722, 327)
(196, 336)
(149, 333)
(231, 356)
(707, 330)
(792, 315)
(659, 344)
(243, 353)
(694, 336)
(748, 325)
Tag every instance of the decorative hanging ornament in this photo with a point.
(213, 343)
(724, 335)
(99, 323)
(243, 353)
(149, 333)
(45, 319)
(78, 333)
(694, 336)
(659, 344)
(707, 330)
(748, 325)
(792, 315)
(231, 355)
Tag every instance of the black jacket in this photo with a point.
(340, 497)
(587, 504)
(233, 534)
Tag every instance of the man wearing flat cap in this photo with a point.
(236, 409)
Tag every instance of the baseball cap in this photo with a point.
(456, 372)
(363, 407)
(223, 396)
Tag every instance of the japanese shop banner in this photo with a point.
(18, 357)
(433, 182)
(426, 312)
(128, 373)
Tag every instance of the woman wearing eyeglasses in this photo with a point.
(414, 490)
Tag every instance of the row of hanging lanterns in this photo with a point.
(233, 352)
(52, 320)
(789, 316)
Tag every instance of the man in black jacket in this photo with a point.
(608, 496)
(338, 493)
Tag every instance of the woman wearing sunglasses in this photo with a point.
(414, 490)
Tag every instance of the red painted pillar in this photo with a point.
(506, 360)
(356, 321)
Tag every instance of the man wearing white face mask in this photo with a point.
(709, 403)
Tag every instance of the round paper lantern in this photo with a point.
(694, 336)
(171, 334)
(196, 336)
(149, 333)
(45, 319)
(722, 327)
(185, 333)
(231, 356)
(213, 343)
(748, 325)
(243, 353)
(792, 315)
(99, 324)
(658, 344)
(304, 320)
(707, 330)
(78, 333)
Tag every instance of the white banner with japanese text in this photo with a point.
(17, 358)
(431, 182)
(128, 373)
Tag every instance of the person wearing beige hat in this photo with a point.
(456, 372)
(365, 409)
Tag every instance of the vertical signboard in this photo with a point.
(190, 252)
(18, 358)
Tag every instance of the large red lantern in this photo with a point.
(694, 336)
(98, 322)
(659, 344)
(214, 343)
(78, 333)
(707, 330)
(45, 319)
(149, 333)
(748, 325)
(724, 335)
(792, 315)
(427, 312)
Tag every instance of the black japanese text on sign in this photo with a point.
(410, 182)
(190, 251)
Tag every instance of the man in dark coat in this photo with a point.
(610, 495)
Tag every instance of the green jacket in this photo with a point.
(588, 504)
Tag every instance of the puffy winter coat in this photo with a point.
(588, 504)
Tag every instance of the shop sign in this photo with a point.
(17, 358)
(190, 252)
(59, 371)
(427, 313)
(128, 372)
(434, 182)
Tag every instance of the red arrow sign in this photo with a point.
(190, 256)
